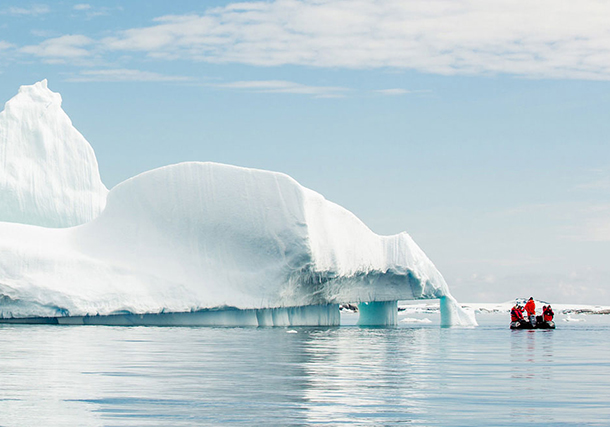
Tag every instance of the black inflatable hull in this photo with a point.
(527, 325)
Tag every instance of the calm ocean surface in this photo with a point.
(415, 374)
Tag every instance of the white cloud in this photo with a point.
(542, 39)
(70, 46)
(393, 92)
(82, 6)
(5, 45)
(281, 86)
(124, 75)
(90, 12)
(34, 10)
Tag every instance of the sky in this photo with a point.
(479, 127)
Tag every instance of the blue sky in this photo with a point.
(479, 127)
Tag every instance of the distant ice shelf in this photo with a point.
(184, 242)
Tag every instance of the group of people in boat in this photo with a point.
(518, 321)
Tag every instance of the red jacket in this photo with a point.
(516, 314)
(548, 314)
(530, 307)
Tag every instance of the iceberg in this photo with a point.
(202, 243)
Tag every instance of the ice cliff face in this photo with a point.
(48, 171)
(185, 238)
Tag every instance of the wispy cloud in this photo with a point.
(435, 36)
(124, 75)
(70, 46)
(282, 86)
(34, 10)
(90, 12)
(472, 37)
(5, 45)
(393, 92)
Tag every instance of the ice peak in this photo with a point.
(38, 93)
(48, 171)
(43, 84)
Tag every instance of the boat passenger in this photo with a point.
(540, 319)
(516, 313)
(530, 307)
(548, 314)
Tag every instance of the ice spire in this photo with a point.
(48, 171)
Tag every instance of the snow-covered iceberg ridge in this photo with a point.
(209, 244)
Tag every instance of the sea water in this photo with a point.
(413, 374)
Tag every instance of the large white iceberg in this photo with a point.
(205, 243)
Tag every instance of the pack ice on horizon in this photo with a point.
(187, 244)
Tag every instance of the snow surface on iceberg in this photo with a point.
(250, 246)
(48, 172)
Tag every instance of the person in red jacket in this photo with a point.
(548, 314)
(530, 307)
(516, 313)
